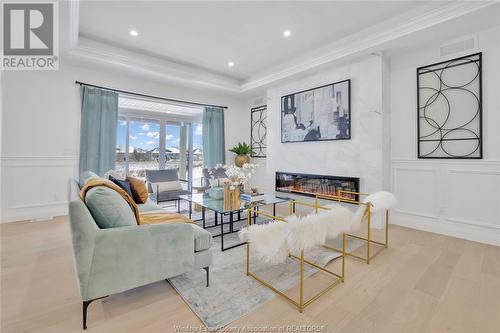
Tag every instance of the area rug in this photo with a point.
(232, 293)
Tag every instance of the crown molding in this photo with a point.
(368, 39)
(364, 41)
(101, 53)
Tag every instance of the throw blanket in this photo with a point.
(163, 218)
(145, 218)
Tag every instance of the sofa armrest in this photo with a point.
(130, 257)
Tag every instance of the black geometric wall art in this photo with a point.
(258, 131)
(449, 99)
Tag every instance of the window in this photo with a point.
(197, 153)
(121, 146)
(153, 135)
(144, 147)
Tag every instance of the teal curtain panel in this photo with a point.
(214, 150)
(98, 130)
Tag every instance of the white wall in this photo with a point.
(455, 197)
(40, 132)
(362, 156)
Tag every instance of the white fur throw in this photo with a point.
(274, 240)
(268, 240)
(381, 201)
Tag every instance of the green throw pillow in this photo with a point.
(108, 208)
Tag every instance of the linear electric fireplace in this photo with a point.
(310, 185)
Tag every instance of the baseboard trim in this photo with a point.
(35, 212)
(472, 232)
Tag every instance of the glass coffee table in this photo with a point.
(234, 213)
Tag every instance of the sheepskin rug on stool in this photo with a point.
(273, 241)
(269, 240)
(380, 201)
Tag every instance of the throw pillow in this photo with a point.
(125, 185)
(174, 185)
(139, 190)
(115, 174)
(108, 208)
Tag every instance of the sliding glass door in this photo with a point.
(144, 146)
(121, 146)
(180, 153)
(197, 150)
(159, 144)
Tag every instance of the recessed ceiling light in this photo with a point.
(230, 64)
(287, 33)
(134, 33)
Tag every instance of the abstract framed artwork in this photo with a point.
(449, 99)
(258, 131)
(318, 114)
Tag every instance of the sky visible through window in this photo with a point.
(145, 135)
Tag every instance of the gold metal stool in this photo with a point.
(367, 213)
(301, 303)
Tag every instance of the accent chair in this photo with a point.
(165, 185)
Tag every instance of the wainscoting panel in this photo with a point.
(416, 185)
(481, 189)
(460, 199)
(36, 187)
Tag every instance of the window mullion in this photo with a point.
(161, 144)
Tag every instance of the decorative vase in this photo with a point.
(231, 196)
(239, 160)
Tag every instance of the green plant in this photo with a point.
(241, 149)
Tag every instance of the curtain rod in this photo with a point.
(148, 96)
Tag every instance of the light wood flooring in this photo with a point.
(423, 282)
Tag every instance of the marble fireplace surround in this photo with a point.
(365, 155)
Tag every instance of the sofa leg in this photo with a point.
(207, 269)
(85, 306)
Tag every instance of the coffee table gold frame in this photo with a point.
(368, 239)
(301, 304)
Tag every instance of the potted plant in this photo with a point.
(242, 150)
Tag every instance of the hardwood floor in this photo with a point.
(423, 282)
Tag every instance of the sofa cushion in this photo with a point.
(202, 238)
(86, 175)
(139, 190)
(108, 208)
(148, 207)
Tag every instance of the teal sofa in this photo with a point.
(113, 260)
